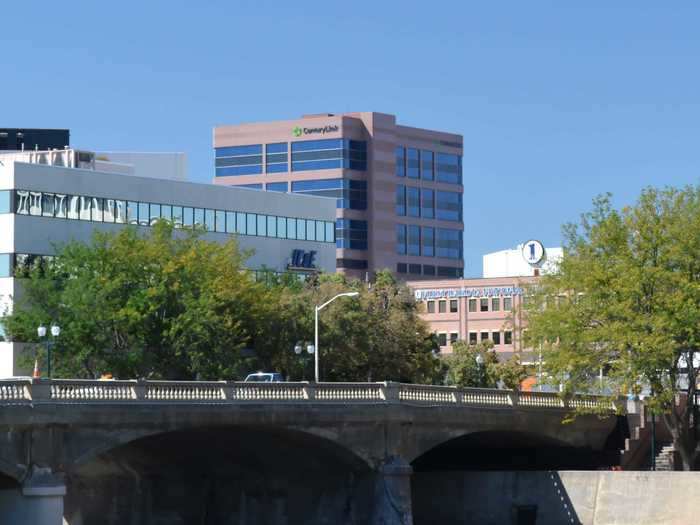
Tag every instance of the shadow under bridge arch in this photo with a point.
(230, 474)
(510, 450)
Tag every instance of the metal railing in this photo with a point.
(81, 391)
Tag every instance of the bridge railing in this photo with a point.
(81, 391)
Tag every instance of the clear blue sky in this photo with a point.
(556, 102)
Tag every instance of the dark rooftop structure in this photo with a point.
(33, 139)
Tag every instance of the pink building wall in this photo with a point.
(464, 322)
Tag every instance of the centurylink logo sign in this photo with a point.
(298, 132)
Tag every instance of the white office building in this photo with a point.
(51, 197)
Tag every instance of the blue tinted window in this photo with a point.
(428, 242)
(401, 239)
(241, 223)
(329, 154)
(301, 229)
(426, 162)
(256, 186)
(279, 147)
(350, 233)
(276, 186)
(317, 165)
(413, 240)
(254, 149)
(449, 206)
(449, 168)
(238, 161)
(400, 157)
(320, 184)
(400, 200)
(277, 168)
(448, 243)
(311, 145)
(239, 170)
(276, 158)
(413, 201)
(252, 224)
(427, 203)
(412, 163)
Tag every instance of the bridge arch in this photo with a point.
(247, 472)
(508, 450)
(98, 444)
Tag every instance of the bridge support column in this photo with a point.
(392, 496)
(40, 499)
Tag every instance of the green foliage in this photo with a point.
(166, 305)
(375, 337)
(627, 298)
(171, 305)
(464, 371)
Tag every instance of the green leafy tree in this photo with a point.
(163, 305)
(377, 336)
(463, 370)
(626, 298)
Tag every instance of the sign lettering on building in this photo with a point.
(302, 259)
(299, 131)
(495, 291)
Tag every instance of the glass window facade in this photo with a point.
(329, 154)
(349, 194)
(427, 203)
(238, 160)
(448, 243)
(277, 186)
(412, 163)
(276, 158)
(449, 206)
(400, 157)
(400, 200)
(351, 234)
(427, 159)
(108, 210)
(413, 201)
(413, 240)
(428, 242)
(401, 239)
(449, 168)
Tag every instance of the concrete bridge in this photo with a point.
(231, 452)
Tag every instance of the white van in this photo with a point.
(264, 377)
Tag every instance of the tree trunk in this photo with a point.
(683, 439)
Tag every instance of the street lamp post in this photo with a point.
(480, 363)
(316, 310)
(55, 332)
(298, 350)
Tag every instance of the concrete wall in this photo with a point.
(18, 509)
(577, 497)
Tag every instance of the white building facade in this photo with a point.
(50, 198)
(529, 259)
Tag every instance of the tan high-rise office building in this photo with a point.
(398, 189)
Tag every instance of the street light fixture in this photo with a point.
(55, 332)
(479, 363)
(299, 350)
(316, 310)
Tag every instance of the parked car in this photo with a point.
(264, 377)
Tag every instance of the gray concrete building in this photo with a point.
(49, 198)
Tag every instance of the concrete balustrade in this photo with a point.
(70, 391)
